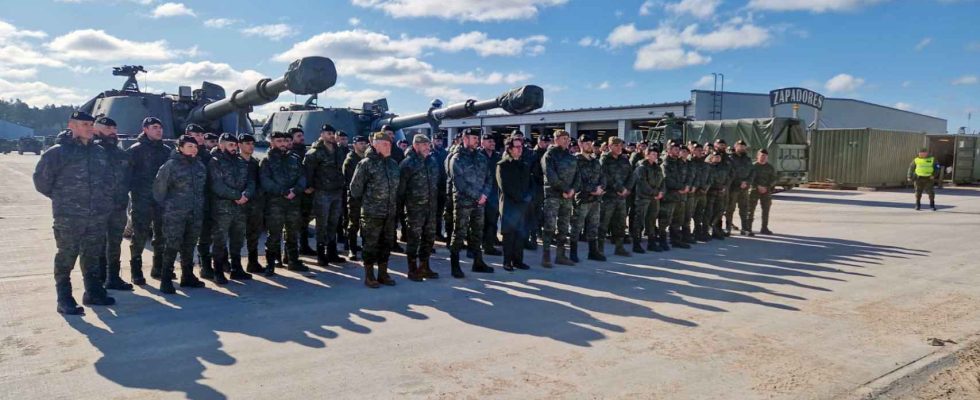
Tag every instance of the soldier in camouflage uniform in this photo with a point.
(74, 175)
(447, 215)
(492, 209)
(281, 178)
(618, 174)
(535, 214)
(325, 179)
(648, 178)
(675, 189)
(353, 205)
(678, 220)
(206, 143)
(739, 191)
(440, 154)
(471, 182)
(120, 171)
(763, 178)
(375, 186)
(231, 189)
(297, 146)
(636, 155)
(720, 181)
(560, 171)
(343, 146)
(418, 190)
(255, 207)
(148, 154)
(698, 195)
(589, 190)
(179, 189)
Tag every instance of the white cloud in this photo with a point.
(97, 45)
(603, 86)
(966, 80)
(16, 48)
(702, 9)
(484, 46)
(627, 35)
(362, 44)
(354, 21)
(39, 93)
(9, 32)
(726, 37)
(447, 94)
(651, 57)
(670, 48)
(461, 10)
(196, 72)
(167, 10)
(923, 43)
(705, 82)
(816, 6)
(647, 6)
(587, 41)
(630, 84)
(907, 84)
(273, 31)
(903, 106)
(17, 73)
(220, 22)
(843, 83)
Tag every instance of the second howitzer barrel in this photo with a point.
(516, 101)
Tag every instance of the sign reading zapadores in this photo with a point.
(803, 96)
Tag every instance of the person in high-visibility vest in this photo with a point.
(922, 175)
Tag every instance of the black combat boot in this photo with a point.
(595, 251)
(187, 278)
(932, 204)
(66, 303)
(560, 257)
(457, 272)
(490, 250)
(295, 264)
(573, 251)
(383, 277)
(207, 270)
(271, 258)
(236, 270)
(219, 270)
(95, 294)
(620, 250)
(427, 272)
(918, 205)
(546, 257)
(332, 254)
(414, 273)
(113, 281)
(638, 246)
(480, 266)
(664, 246)
(681, 244)
(253, 263)
(652, 244)
(748, 227)
(369, 279)
(304, 242)
(321, 255)
(167, 286)
(136, 271)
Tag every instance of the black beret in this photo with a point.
(82, 116)
(674, 144)
(342, 134)
(683, 148)
(720, 141)
(361, 139)
(572, 143)
(292, 131)
(516, 132)
(546, 138)
(471, 132)
(185, 139)
(401, 142)
(246, 138)
(193, 128)
(487, 136)
(327, 127)
(459, 135)
(441, 135)
(281, 135)
(696, 145)
(631, 144)
(764, 151)
(386, 127)
(210, 136)
(227, 137)
(151, 121)
(587, 137)
(741, 142)
(106, 121)
(644, 143)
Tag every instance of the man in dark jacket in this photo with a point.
(418, 190)
(206, 142)
(560, 170)
(231, 189)
(514, 182)
(148, 154)
(179, 190)
(738, 195)
(618, 173)
(535, 214)
(492, 209)
(298, 147)
(471, 184)
(648, 192)
(675, 189)
(375, 186)
(589, 189)
(763, 180)
(120, 170)
(282, 179)
(255, 207)
(353, 206)
(325, 182)
(74, 175)
(440, 154)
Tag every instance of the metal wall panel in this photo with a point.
(839, 156)
(891, 154)
(963, 167)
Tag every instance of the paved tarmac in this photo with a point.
(849, 289)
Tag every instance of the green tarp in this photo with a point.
(760, 133)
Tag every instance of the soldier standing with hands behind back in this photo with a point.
(120, 172)
(282, 180)
(375, 186)
(470, 183)
(560, 169)
(179, 190)
(148, 155)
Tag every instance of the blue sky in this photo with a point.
(921, 55)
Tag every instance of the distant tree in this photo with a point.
(46, 121)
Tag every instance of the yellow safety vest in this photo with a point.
(924, 166)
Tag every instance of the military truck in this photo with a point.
(29, 144)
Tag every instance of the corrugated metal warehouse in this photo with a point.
(10, 130)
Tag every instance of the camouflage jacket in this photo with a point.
(281, 172)
(721, 176)
(618, 173)
(675, 179)
(649, 180)
(492, 159)
(147, 156)
(120, 172)
(470, 176)
(418, 186)
(324, 168)
(763, 175)
(350, 164)
(636, 158)
(228, 180)
(559, 167)
(179, 185)
(254, 171)
(741, 168)
(375, 185)
(589, 177)
(76, 178)
(534, 162)
(700, 174)
(449, 171)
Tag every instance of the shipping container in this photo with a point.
(863, 157)
(965, 160)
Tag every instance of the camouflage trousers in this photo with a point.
(228, 232)
(666, 216)
(254, 225)
(612, 217)
(204, 241)
(353, 221)
(421, 224)
(677, 222)
(147, 219)
(716, 207)
(181, 230)
(586, 217)
(644, 218)
(78, 239)
(557, 221)
(447, 215)
(924, 184)
(695, 212)
(327, 208)
(280, 215)
(766, 200)
(377, 237)
(737, 197)
(112, 246)
(468, 225)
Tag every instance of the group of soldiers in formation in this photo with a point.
(209, 194)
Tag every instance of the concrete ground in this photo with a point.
(848, 290)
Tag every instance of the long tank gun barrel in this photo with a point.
(516, 101)
(308, 75)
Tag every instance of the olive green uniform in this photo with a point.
(764, 176)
